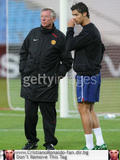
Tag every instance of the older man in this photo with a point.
(43, 61)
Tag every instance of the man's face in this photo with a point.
(114, 154)
(78, 17)
(9, 154)
(46, 19)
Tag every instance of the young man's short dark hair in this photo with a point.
(81, 8)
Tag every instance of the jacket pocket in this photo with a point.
(29, 66)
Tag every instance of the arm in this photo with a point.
(65, 58)
(24, 54)
(73, 43)
(76, 42)
(103, 48)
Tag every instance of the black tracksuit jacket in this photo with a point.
(43, 53)
(88, 48)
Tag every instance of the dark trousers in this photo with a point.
(48, 112)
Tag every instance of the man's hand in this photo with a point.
(71, 23)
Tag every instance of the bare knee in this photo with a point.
(91, 107)
(83, 108)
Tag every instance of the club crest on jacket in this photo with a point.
(53, 42)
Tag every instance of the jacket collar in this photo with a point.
(45, 31)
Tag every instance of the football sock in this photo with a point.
(89, 141)
(98, 136)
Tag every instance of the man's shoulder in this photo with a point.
(35, 29)
(91, 30)
(59, 33)
(89, 27)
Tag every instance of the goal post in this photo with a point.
(64, 81)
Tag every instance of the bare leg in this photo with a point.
(84, 110)
(95, 120)
(96, 127)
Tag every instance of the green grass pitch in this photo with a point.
(70, 137)
(69, 130)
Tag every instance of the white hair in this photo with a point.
(53, 14)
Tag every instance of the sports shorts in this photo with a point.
(88, 88)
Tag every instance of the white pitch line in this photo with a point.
(12, 115)
(58, 130)
(23, 115)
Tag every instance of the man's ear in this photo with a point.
(84, 14)
(54, 20)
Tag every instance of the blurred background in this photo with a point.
(18, 17)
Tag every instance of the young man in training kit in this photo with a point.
(43, 61)
(89, 51)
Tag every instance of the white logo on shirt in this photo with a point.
(35, 40)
